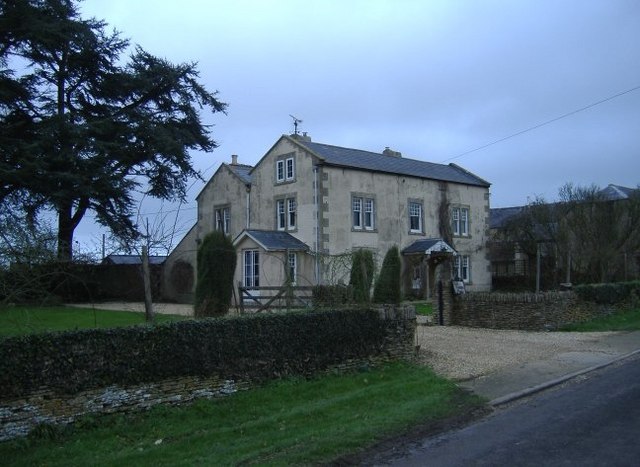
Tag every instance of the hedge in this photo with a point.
(609, 294)
(328, 296)
(254, 347)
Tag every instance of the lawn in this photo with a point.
(21, 320)
(628, 320)
(286, 422)
(424, 309)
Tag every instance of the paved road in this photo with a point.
(594, 420)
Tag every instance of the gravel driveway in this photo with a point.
(462, 353)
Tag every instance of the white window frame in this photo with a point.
(369, 214)
(223, 219)
(281, 217)
(356, 210)
(460, 221)
(290, 168)
(419, 215)
(251, 268)
(464, 221)
(292, 208)
(292, 265)
(363, 212)
(462, 268)
(455, 220)
(280, 170)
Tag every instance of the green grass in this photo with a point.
(20, 320)
(286, 422)
(628, 320)
(424, 309)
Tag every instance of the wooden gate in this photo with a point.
(257, 299)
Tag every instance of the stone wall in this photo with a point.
(524, 311)
(20, 414)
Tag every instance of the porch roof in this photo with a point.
(427, 246)
(273, 240)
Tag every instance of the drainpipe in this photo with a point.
(317, 227)
(248, 213)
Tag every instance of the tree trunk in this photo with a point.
(146, 277)
(67, 223)
(65, 234)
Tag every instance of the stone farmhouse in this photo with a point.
(305, 207)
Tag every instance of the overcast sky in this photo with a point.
(431, 79)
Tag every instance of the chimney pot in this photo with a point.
(234, 159)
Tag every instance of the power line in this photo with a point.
(544, 123)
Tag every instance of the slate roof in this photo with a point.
(273, 240)
(498, 217)
(423, 245)
(132, 259)
(372, 161)
(616, 192)
(242, 171)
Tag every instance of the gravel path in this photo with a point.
(463, 353)
(162, 308)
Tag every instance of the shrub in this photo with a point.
(609, 294)
(216, 267)
(362, 270)
(387, 289)
(330, 296)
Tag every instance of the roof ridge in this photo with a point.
(376, 153)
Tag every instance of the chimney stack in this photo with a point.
(234, 159)
(391, 152)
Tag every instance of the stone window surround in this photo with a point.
(363, 197)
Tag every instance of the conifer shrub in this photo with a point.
(216, 267)
(361, 278)
(387, 288)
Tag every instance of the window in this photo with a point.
(461, 268)
(222, 219)
(280, 214)
(251, 268)
(291, 213)
(280, 171)
(357, 213)
(291, 169)
(285, 170)
(460, 221)
(286, 213)
(368, 213)
(415, 217)
(363, 213)
(292, 262)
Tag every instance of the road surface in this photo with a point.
(593, 420)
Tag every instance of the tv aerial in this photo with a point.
(295, 124)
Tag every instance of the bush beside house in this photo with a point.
(387, 288)
(216, 267)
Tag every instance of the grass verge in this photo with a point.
(20, 320)
(424, 309)
(628, 320)
(286, 422)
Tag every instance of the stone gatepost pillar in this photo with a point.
(444, 296)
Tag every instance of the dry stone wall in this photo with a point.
(524, 311)
(48, 404)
